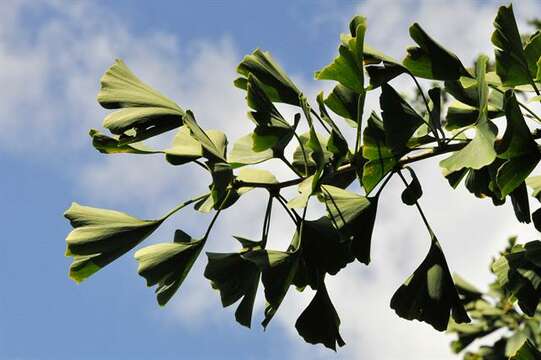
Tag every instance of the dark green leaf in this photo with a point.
(429, 294)
(511, 63)
(521, 205)
(235, 278)
(517, 139)
(400, 121)
(319, 323)
(430, 60)
(380, 159)
(278, 271)
(344, 102)
(382, 68)
(413, 191)
(519, 274)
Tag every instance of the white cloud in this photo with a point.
(52, 75)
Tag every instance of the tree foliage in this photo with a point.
(492, 164)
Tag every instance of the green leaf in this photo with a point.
(276, 83)
(354, 216)
(324, 250)
(468, 333)
(306, 189)
(213, 149)
(413, 191)
(112, 145)
(347, 68)
(460, 115)
(511, 63)
(380, 159)
(343, 205)
(435, 111)
(265, 113)
(235, 278)
(184, 148)
(143, 110)
(272, 132)
(429, 294)
(519, 274)
(534, 182)
(255, 148)
(521, 205)
(479, 151)
(319, 323)
(311, 150)
(527, 351)
(514, 171)
(337, 143)
(343, 101)
(168, 264)
(517, 139)
(252, 175)
(400, 121)
(380, 67)
(430, 60)
(101, 236)
(278, 271)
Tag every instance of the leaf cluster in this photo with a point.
(325, 167)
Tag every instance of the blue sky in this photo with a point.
(52, 54)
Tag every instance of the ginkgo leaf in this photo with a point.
(534, 182)
(347, 67)
(310, 152)
(252, 175)
(306, 189)
(517, 139)
(430, 60)
(276, 83)
(528, 351)
(380, 67)
(142, 109)
(429, 294)
(343, 205)
(319, 322)
(479, 151)
(235, 278)
(213, 148)
(278, 272)
(100, 236)
(112, 145)
(400, 120)
(324, 251)
(344, 102)
(380, 158)
(512, 65)
(519, 274)
(167, 264)
(184, 148)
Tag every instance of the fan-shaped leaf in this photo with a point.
(168, 264)
(143, 110)
(101, 236)
(429, 294)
